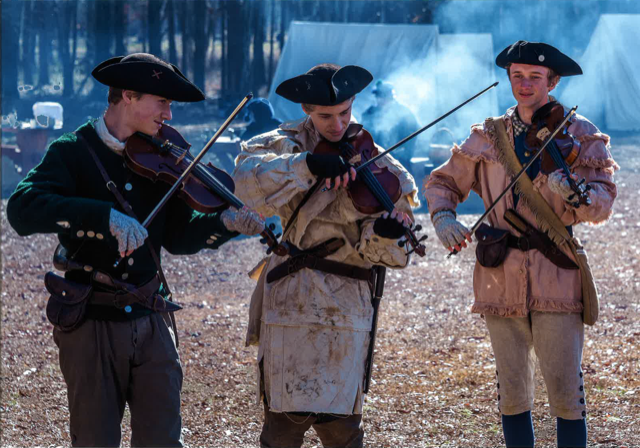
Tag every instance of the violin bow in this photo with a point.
(519, 175)
(419, 131)
(195, 161)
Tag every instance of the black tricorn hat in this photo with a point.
(146, 73)
(325, 85)
(538, 53)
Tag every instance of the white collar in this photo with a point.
(108, 139)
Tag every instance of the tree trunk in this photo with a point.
(154, 27)
(28, 42)
(64, 13)
(10, 61)
(199, 14)
(119, 27)
(171, 20)
(257, 64)
(272, 35)
(184, 31)
(44, 43)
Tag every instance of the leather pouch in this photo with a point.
(67, 305)
(492, 246)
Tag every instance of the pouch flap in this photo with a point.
(65, 290)
(486, 234)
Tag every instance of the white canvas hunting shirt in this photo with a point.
(312, 327)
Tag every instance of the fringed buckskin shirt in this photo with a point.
(526, 280)
(313, 327)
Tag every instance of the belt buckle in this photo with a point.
(520, 240)
(118, 300)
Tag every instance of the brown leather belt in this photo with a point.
(126, 294)
(295, 264)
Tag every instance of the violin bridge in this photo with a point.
(355, 159)
(543, 134)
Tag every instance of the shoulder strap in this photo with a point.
(305, 199)
(125, 206)
(546, 218)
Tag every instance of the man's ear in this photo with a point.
(127, 96)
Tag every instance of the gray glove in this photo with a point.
(245, 220)
(560, 185)
(450, 232)
(129, 232)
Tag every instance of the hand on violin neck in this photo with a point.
(450, 231)
(331, 167)
(128, 232)
(245, 220)
(559, 184)
(392, 225)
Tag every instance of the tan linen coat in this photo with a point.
(312, 327)
(526, 280)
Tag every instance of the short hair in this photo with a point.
(115, 95)
(552, 76)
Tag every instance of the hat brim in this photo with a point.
(148, 77)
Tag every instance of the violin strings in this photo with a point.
(201, 172)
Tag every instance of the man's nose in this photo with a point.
(337, 124)
(166, 114)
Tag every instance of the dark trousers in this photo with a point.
(287, 429)
(109, 364)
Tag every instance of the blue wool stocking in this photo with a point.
(572, 433)
(518, 430)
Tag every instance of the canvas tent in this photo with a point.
(431, 72)
(609, 91)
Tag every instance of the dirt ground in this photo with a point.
(434, 375)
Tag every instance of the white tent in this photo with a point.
(381, 49)
(431, 72)
(608, 93)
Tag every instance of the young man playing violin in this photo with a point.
(123, 349)
(311, 313)
(529, 291)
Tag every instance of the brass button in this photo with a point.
(80, 233)
(88, 268)
(64, 224)
(527, 153)
(209, 241)
(91, 233)
(100, 236)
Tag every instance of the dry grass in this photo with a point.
(434, 375)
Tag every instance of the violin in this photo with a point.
(375, 189)
(206, 189)
(561, 152)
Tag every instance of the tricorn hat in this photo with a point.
(146, 73)
(538, 53)
(325, 85)
(383, 88)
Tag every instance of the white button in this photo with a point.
(64, 224)
(209, 241)
(91, 233)
(100, 236)
(213, 237)
(80, 233)
(125, 276)
(128, 187)
(541, 58)
(130, 261)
